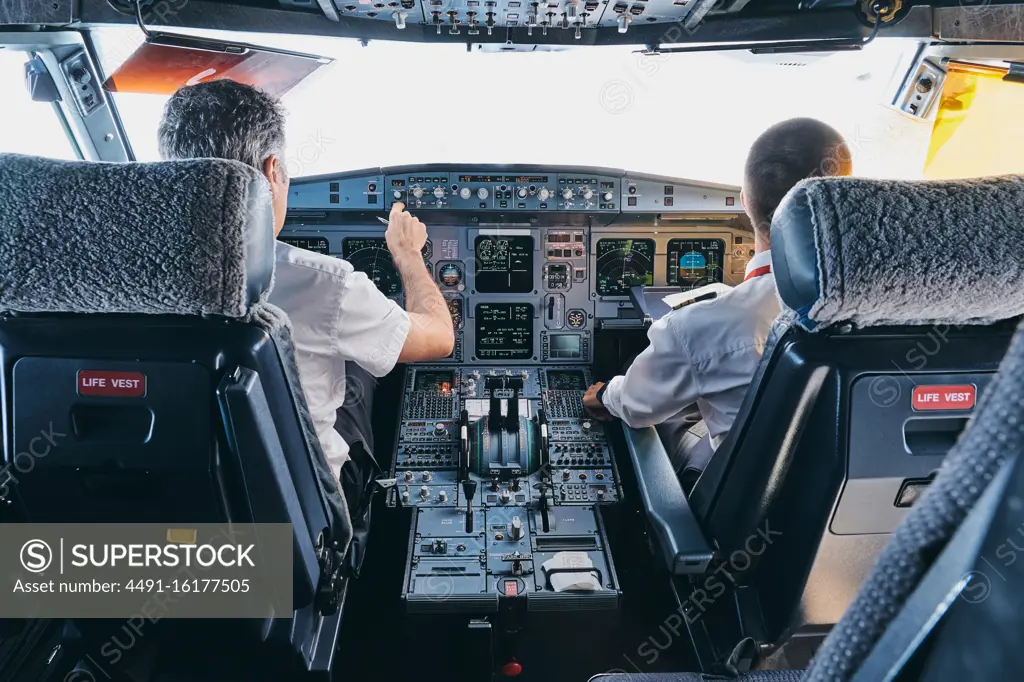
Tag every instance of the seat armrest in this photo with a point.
(678, 536)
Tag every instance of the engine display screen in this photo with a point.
(504, 264)
(624, 263)
(314, 244)
(566, 380)
(695, 262)
(435, 382)
(504, 331)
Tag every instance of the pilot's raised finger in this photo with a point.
(397, 208)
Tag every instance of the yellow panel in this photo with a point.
(977, 129)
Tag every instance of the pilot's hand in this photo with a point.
(595, 408)
(405, 235)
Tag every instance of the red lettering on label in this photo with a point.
(511, 588)
(944, 397)
(116, 384)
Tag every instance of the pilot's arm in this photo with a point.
(659, 384)
(431, 335)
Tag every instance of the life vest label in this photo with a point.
(112, 384)
(944, 397)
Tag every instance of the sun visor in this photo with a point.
(166, 62)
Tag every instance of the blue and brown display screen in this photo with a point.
(695, 262)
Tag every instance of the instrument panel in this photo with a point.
(531, 283)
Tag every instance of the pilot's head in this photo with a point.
(784, 155)
(227, 120)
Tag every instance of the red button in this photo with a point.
(944, 397)
(511, 588)
(511, 669)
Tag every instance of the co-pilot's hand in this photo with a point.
(595, 408)
(405, 235)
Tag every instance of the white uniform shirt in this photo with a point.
(704, 354)
(337, 314)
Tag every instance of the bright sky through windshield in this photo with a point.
(686, 115)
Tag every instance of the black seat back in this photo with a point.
(892, 295)
(145, 377)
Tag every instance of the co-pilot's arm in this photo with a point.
(659, 384)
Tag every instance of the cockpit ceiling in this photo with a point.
(470, 18)
(800, 25)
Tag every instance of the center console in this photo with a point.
(507, 478)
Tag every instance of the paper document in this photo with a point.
(704, 293)
(571, 580)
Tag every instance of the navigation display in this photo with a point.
(695, 262)
(504, 264)
(371, 256)
(314, 244)
(504, 331)
(624, 263)
(566, 380)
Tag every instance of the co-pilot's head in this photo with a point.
(228, 120)
(781, 157)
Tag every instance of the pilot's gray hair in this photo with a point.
(223, 119)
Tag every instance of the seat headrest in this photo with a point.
(881, 252)
(189, 237)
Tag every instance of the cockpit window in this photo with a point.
(29, 127)
(689, 115)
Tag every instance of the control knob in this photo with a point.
(424, 493)
(439, 192)
(417, 192)
(465, 193)
(623, 20)
(505, 496)
(405, 494)
(439, 429)
(408, 476)
(567, 194)
(482, 193)
(426, 476)
(543, 194)
(586, 426)
(607, 196)
(521, 193)
(515, 531)
(566, 474)
(442, 496)
(400, 19)
(588, 193)
(397, 194)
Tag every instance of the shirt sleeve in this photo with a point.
(659, 384)
(371, 328)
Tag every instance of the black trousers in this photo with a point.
(354, 423)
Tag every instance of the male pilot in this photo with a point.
(343, 328)
(702, 357)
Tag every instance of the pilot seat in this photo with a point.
(899, 300)
(156, 275)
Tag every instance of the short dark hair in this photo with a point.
(784, 155)
(222, 119)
